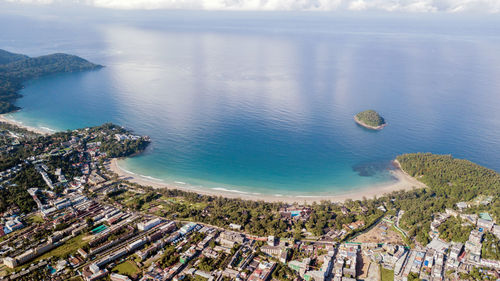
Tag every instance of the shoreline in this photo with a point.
(359, 122)
(403, 182)
(36, 130)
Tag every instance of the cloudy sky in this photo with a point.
(448, 6)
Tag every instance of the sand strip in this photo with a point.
(403, 182)
(40, 131)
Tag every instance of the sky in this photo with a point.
(417, 6)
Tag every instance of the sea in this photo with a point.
(263, 103)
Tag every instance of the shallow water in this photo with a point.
(263, 103)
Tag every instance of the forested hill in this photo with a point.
(7, 57)
(458, 179)
(450, 180)
(16, 69)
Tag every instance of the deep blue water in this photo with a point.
(264, 102)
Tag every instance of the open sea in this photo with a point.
(264, 102)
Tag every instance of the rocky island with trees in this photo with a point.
(370, 119)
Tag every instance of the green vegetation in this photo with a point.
(413, 277)
(16, 196)
(209, 264)
(453, 230)
(283, 273)
(491, 247)
(36, 218)
(386, 274)
(15, 69)
(370, 118)
(474, 275)
(128, 268)
(7, 57)
(169, 258)
(449, 181)
(63, 251)
(114, 148)
(194, 278)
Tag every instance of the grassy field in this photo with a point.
(35, 219)
(128, 268)
(386, 274)
(71, 246)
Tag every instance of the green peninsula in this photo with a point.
(370, 119)
(15, 69)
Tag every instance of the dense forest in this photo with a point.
(450, 181)
(370, 118)
(15, 69)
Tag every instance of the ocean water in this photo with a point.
(263, 102)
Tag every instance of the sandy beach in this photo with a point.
(40, 131)
(403, 182)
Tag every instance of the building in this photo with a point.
(188, 255)
(274, 251)
(118, 277)
(271, 240)
(235, 226)
(462, 205)
(262, 272)
(96, 275)
(187, 228)
(230, 238)
(14, 224)
(496, 231)
(145, 226)
(485, 224)
(136, 244)
(455, 250)
(10, 262)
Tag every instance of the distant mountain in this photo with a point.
(8, 57)
(15, 69)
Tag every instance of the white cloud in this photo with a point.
(452, 6)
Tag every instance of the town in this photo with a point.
(66, 216)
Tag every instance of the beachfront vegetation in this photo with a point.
(370, 118)
(449, 181)
(15, 69)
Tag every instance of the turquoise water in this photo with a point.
(263, 103)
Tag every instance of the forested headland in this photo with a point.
(449, 181)
(15, 69)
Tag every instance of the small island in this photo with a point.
(370, 119)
